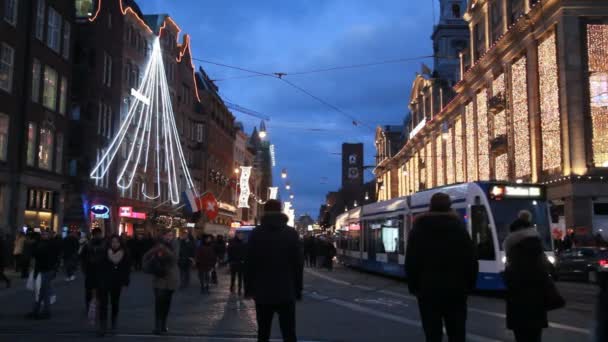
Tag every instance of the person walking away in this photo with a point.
(28, 250)
(185, 258)
(70, 255)
(314, 251)
(45, 264)
(93, 257)
(116, 272)
(18, 251)
(3, 252)
(134, 247)
(205, 262)
(526, 274)
(306, 247)
(236, 259)
(331, 253)
(441, 268)
(220, 250)
(274, 269)
(161, 262)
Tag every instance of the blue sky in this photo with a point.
(300, 35)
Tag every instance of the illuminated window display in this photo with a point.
(549, 104)
(470, 136)
(597, 54)
(501, 164)
(459, 150)
(521, 124)
(483, 150)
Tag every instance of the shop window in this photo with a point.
(597, 52)
(10, 11)
(4, 124)
(84, 8)
(39, 28)
(45, 149)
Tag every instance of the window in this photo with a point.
(456, 11)
(31, 144)
(10, 11)
(59, 154)
(481, 233)
(63, 95)
(480, 39)
(7, 54)
(107, 70)
(4, 120)
(66, 40)
(496, 15)
(36, 70)
(49, 92)
(45, 149)
(104, 120)
(53, 30)
(39, 29)
(517, 10)
(84, 8)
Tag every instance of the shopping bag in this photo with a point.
(92, 314)
(30, 282)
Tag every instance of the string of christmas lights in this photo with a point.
(449, 157)
(549, 104)
(597, 50)
(470, 143)
(149, 133)
(459, 147)
(482, 139)
(521, 125)
(439, 160)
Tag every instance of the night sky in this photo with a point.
(301, 35)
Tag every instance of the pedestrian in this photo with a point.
(28, 250)
(45, 265)
(220, 250)
(161, 262)
(3, 252)
(331, 253)
(526, 276)
(134, 247)
(237, 250)
(116, 271)
(185, 259)
(314, 251)
(93, 258)
(274, 268)
(307, 249)
(437, 236)
(205, 262)
(70, 255)
(18, 251)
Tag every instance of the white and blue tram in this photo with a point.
(374, 237)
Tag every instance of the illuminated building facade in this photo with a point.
(531, 105)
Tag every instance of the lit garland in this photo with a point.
(500, 118)
(501, 164)
(449, 157)
(459, 147)
(412, 174)
(549, 104)
(483, 148)
(597, 52)
(439, 160)
(429, 167)
(416, 172)
(244, 184)
(471, 155)
(150, 125)
(408, 177)
(521, 124)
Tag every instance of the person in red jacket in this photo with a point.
(205, 262)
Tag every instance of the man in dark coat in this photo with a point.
(93, 256)
(274, 272)
(441, 268)
(185, 257)
(46, 261)
(237, 250)
(70, 255)
(526, 273)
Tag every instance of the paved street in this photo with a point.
(344, 305)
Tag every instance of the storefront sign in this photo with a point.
(128, 212)
(100, 211)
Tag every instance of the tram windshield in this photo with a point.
(505, 211)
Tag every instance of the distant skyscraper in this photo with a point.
(450, 37)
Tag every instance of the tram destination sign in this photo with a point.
(507, 191)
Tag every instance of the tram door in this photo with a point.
(371, 229)
(481, 234)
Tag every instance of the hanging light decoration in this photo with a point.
(262, 133)
(287, 186)
(245, 191)
(284, 173)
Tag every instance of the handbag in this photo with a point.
(552, 299)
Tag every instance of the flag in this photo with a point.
(192, 203)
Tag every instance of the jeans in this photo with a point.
(162, 304)
(437, 310)
(43, 304)
(205, 279)
(103, 296)
(184, 275)
(236, 274)
(287, 320)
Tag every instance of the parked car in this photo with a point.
(582, 263)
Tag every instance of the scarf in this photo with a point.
(115, 257)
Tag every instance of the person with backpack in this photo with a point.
(93, 258)
(161, 263)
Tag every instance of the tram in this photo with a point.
(374, 237)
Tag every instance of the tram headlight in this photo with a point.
(504, 259)
(551, 259)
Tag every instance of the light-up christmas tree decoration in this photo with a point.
(149, 138)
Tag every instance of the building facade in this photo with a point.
(36, 43)
(244, 155)
(530, 106)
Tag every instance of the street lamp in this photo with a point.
(237, 170)
(355, 204)
(284, 173)
(366, 196)
(262, 134)
(287, 186)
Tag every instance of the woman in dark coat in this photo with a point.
(116, 273)
(526, 275)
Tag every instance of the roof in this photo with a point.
(155, 21)
(134, 6)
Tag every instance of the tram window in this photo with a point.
(481, 232)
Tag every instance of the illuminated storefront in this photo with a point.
(39, 211)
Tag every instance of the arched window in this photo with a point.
(455, 10)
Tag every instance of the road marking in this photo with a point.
(399, 319)
(470, 309)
